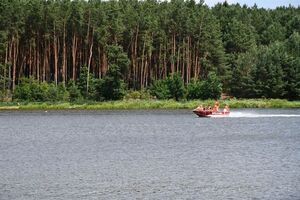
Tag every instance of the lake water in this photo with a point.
(253, 154)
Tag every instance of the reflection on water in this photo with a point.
(253, 154)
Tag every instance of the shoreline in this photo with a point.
(148, 104)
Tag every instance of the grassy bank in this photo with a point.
(148, 104)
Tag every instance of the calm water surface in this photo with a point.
(254, 154)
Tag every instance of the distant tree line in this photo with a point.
(63, 49)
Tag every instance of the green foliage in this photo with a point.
(268, 74)
(175, 86)
(62, 92)
(292, 79)
(4, 77)
(210, 88)
(160, 90)
(274, 32)
(254, 51)
(241, 79)
(143, 94)
(150, 104)
(86, 83)
(112, 86)
(30, 89)
(1, 95)
(52, 92)
(118, 61)
(171, 87)
(206, 89)
(74, 92)
(194, 90)
(239, 37)
(293, 25)
(291, 67)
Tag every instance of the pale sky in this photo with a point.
(260, 3)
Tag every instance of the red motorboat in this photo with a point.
(208, 113)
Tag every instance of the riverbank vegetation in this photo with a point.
(97, 51)
(132, 104)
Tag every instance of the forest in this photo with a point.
(101, 50)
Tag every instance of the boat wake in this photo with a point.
(256, 115)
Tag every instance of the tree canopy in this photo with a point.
(254, 52)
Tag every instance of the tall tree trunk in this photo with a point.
(187, 60)
(165, 62)
(148, 62)
(10, 60)
(48, 61)
(145, 71)
(88, 37)
(44, 61)
(196, 64)
(64, 66)
(183, 58)
(134, 61)
(159, 71)
(37, 53)
(56, 50)
(178, 59)
(30, 59)
(74, 50)
(5, 65)
(99, 62)
(131, 69)
(15, 59)
(104, 63)
(89, 63)
(22, 67)
(142, 67)
(173, 53)
(81, 59)
(34, 59)
(16, 44)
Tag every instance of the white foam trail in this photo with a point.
(255, 115)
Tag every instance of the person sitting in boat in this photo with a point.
(226, 109)
(216, 107)
(209, 110)
(200, 108)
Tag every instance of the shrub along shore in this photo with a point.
(133, 104)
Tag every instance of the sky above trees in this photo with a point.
(260, 3)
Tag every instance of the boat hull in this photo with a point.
(210, 113)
